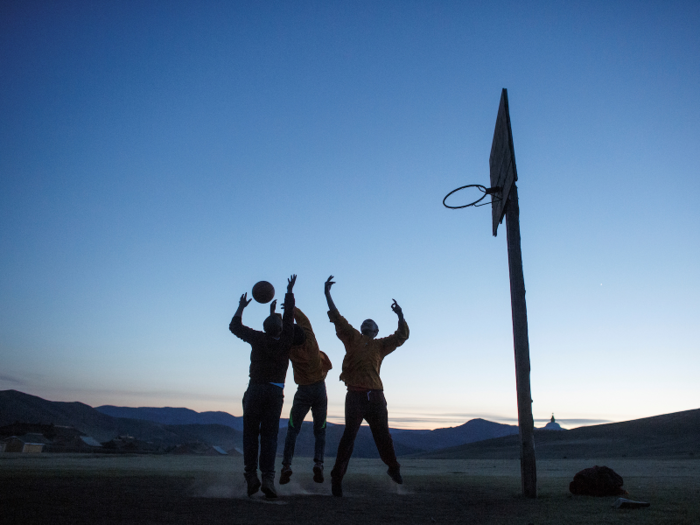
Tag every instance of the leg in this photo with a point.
(378, 418)
(251, 430)
(353, 419)
(300, 408)
(269, 427)
(319, 411)
(252, 407)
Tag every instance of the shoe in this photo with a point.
(395, 474)
(318, 474)
(337, 488)
(268, 486)
(253, 484)
(285, 475)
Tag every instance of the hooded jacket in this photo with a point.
(310, 365)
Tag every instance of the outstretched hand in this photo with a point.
(290, 282)
(244, 301)
(327, 290)
(273, 307)
(327, 286)
(396, 308)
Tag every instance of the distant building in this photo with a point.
(131, 445)
(27, 444)
(552, 425)
(90, 441)
(54, 438)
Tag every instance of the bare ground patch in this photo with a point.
(96, 490)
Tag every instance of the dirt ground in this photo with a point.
(126, 490)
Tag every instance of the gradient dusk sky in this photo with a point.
(157, 158)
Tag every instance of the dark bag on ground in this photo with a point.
(597, 481)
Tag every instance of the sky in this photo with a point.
(159, 158)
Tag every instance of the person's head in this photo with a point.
(273, 325)
(369, 328)
(299, 336)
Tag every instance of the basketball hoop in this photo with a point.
(486, 191)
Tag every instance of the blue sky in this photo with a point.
(159, 158)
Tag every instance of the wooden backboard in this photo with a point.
(502, 162)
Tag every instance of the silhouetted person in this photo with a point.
(365, 397)
(262, 402)
(310, 367)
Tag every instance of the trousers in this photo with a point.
(262, 407)
(370, 406)
(308, 397)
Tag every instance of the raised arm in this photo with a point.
(242, 303)
(288, 305)
(390, 343)
(327, 291)
(288, 317)
(236, 325)
(397, 310)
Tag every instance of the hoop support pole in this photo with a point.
(526, 425)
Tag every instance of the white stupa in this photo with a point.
(552, 425)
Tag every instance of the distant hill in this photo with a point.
(20, 407)
(172, 426)
(469, 432)
(17, 406)
(405, 441)
(364, 442)
(173, 416)
(669, 435)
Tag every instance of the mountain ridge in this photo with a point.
(173, 415)
(666, 435)
(663, 436)
(168, 426)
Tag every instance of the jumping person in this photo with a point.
(365, 397)
(310, 367)
(262, 402)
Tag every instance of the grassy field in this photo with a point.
(82, 489)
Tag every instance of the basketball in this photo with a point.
(263, 292)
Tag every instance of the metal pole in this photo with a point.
(521, 345)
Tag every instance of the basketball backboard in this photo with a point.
(502, 162)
